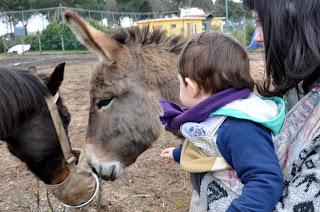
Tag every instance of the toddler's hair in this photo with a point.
(215, 62)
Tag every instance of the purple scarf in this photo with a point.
(173, 116)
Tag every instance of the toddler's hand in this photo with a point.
(167, 155)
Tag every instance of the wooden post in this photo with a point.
(62, 20)
(62, 43)
(112, 19)
(22, 43)
(40, 47)
(49, 19)
(61, 12)
(101, 18)
(227, 13)
(24, 23)
(244, 32)
(4, 45)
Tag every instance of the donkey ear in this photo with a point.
(100, 43)
(55, 79)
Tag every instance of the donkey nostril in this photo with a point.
(94, 171)
(109, 171)
(106, 178)
(113, 174)
(97, 172)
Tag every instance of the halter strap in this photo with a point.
(63, 139)
(56, 97)
(76, 172)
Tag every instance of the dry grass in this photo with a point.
(147, 185)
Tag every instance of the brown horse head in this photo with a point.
(137, 67)
(26, 125)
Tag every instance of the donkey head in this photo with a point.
(124, 95)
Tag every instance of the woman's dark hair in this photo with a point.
(291, 30)
(215, 62)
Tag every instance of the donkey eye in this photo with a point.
(104, 102)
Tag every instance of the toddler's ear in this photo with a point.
(195, 89)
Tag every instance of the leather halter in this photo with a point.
(62, 136)
(66, 148)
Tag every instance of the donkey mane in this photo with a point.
(21, 95)
(143, 37)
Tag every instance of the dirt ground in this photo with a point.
(148, 185)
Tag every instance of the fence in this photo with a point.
(44, 29)
(22, 26)
(240, 29)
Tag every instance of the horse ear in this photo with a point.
(100, 43)
(55, 79)
(33, 70)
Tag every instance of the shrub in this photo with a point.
(250, 28)
(33, 41)
(244, 34)
(10, 42)
(51, 37)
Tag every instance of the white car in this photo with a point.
(19, 48)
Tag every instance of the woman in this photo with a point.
(291, 33)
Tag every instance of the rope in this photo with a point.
(38, 196)
(100, 189)
(49, 202)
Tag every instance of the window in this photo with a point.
(173, 26)
(207, 26)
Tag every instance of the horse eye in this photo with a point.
(104, 102)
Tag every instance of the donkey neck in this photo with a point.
(160, 72)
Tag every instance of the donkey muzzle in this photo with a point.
(79, 188)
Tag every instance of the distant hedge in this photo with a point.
(244, 35)
(51, 38)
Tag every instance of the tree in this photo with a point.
(160, 5)
(111, 5)
(219, 9)
(134, 5)
(36, 4)
(235, 10)
(87, 4)
(156, 6)
(13, 4)
(206, 5)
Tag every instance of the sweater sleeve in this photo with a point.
(248, 148)
(177, 153)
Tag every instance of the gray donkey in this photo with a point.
(137, 67)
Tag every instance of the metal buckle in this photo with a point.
(71, 159)
(93, 196)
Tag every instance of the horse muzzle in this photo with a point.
(79, 189)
